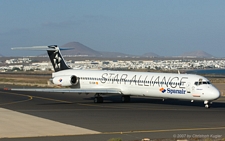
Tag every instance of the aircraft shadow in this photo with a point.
(56, 103)
(173, 102)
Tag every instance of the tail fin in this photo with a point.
(57, 59)
(54, 54)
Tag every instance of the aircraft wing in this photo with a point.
(70, 90)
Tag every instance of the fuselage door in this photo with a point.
(188, 87)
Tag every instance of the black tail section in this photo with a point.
(54, 53)
(57, 59)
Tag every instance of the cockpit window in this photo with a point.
(204, 82)
(200, 82)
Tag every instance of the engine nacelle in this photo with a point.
(66, 80)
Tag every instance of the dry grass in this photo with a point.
(22, 79)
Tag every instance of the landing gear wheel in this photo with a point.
(95, 100)
(125, 98)
(98, 99)
(207, 106)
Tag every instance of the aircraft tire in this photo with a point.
(207, 106)
(125, 98)
(98, 100)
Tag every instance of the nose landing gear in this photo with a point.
(207, 104)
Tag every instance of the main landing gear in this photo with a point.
(99, 99)
(125, 98)
(207, 104)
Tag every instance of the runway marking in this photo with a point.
(92, 105)
(20, 101)
(153, 108)
(122, 107)
(164, 130)
(103, 106)
(125, 108)
(38, 97)
(95, 132)
(51, 99)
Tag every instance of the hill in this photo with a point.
(82, 50)
(79, 49)
(197, 54)
(150, 54)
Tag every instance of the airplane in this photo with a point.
(125, 83)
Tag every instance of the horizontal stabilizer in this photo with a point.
(45, 48)
(34, 48)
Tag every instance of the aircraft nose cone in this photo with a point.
(215, 93)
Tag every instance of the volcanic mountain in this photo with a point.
(82, 50)
(79, 49)
(197, 54)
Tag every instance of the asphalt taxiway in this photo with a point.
(66, 116)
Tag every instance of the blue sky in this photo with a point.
(165, 27)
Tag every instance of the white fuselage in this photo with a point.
(162, 85)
